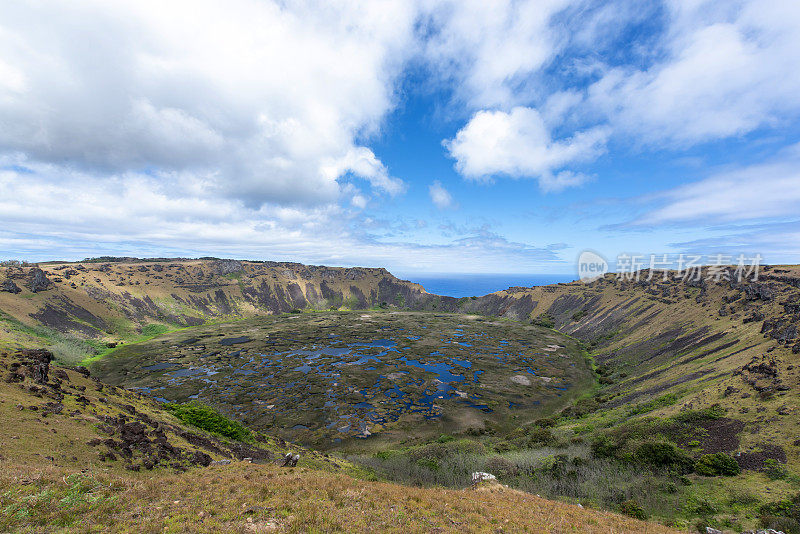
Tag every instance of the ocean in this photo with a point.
(468, 285)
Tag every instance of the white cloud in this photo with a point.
(440, 196)
(728, 69)
(261, 98)
(487, 50)
(519, 144)
(50, 212)
(763, 191)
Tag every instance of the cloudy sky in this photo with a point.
(431, 136)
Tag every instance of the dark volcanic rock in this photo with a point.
(10, 287)
(37, 280)
(223, 267)
(38, 363)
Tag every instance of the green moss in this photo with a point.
(206, 418)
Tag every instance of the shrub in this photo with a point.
(662, 454)
(429, 463)
(578, 315)
(440, 451)
(501, 467)
(782, 515)
(717, 464)
(545, 422)
(696, 416)
(603, 447)
(774, 470)
(544, 320)
(633, 509)
(208, 419)
(541, 436)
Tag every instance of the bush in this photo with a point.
(501, 467)
(440, 451)
(208, 419)
(541, 436)
(633, 509)
(544, 320)
(717, 464)
(774, 470)
(663, 454)
(782, 515)
(545, 422)
(696, 416)
(603, 447)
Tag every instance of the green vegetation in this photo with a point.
(67, 348)
(208, 419)
(56, 505)
(632, 508)
(578, 315)
(544, 320)
(717, 464)
(333, 383)
(782, 515)
(654, 404)
(154, 329)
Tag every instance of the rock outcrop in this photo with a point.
(37, 280)
(10, 287)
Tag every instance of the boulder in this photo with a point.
(10, 287)
(38, 363)
(37, 280)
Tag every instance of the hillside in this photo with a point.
(686, 372)
(114, 301)
(80, 455)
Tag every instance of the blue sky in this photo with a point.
(426, 137)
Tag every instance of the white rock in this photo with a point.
(521, 379)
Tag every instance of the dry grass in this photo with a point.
(262, 498)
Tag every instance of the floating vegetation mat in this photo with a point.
(330, 378)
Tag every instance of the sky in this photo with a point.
(438, 136)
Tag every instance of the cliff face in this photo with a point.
(111, 299)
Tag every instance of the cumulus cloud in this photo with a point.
(440, 196)
(266, 101)
(727, 69)
(518, 144)
(46, 216)
(488, 50)
(246, 125)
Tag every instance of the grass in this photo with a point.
(263, 498)
(149, 331)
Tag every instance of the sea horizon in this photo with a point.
(476, 285)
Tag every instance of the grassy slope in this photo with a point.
(51, 479)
